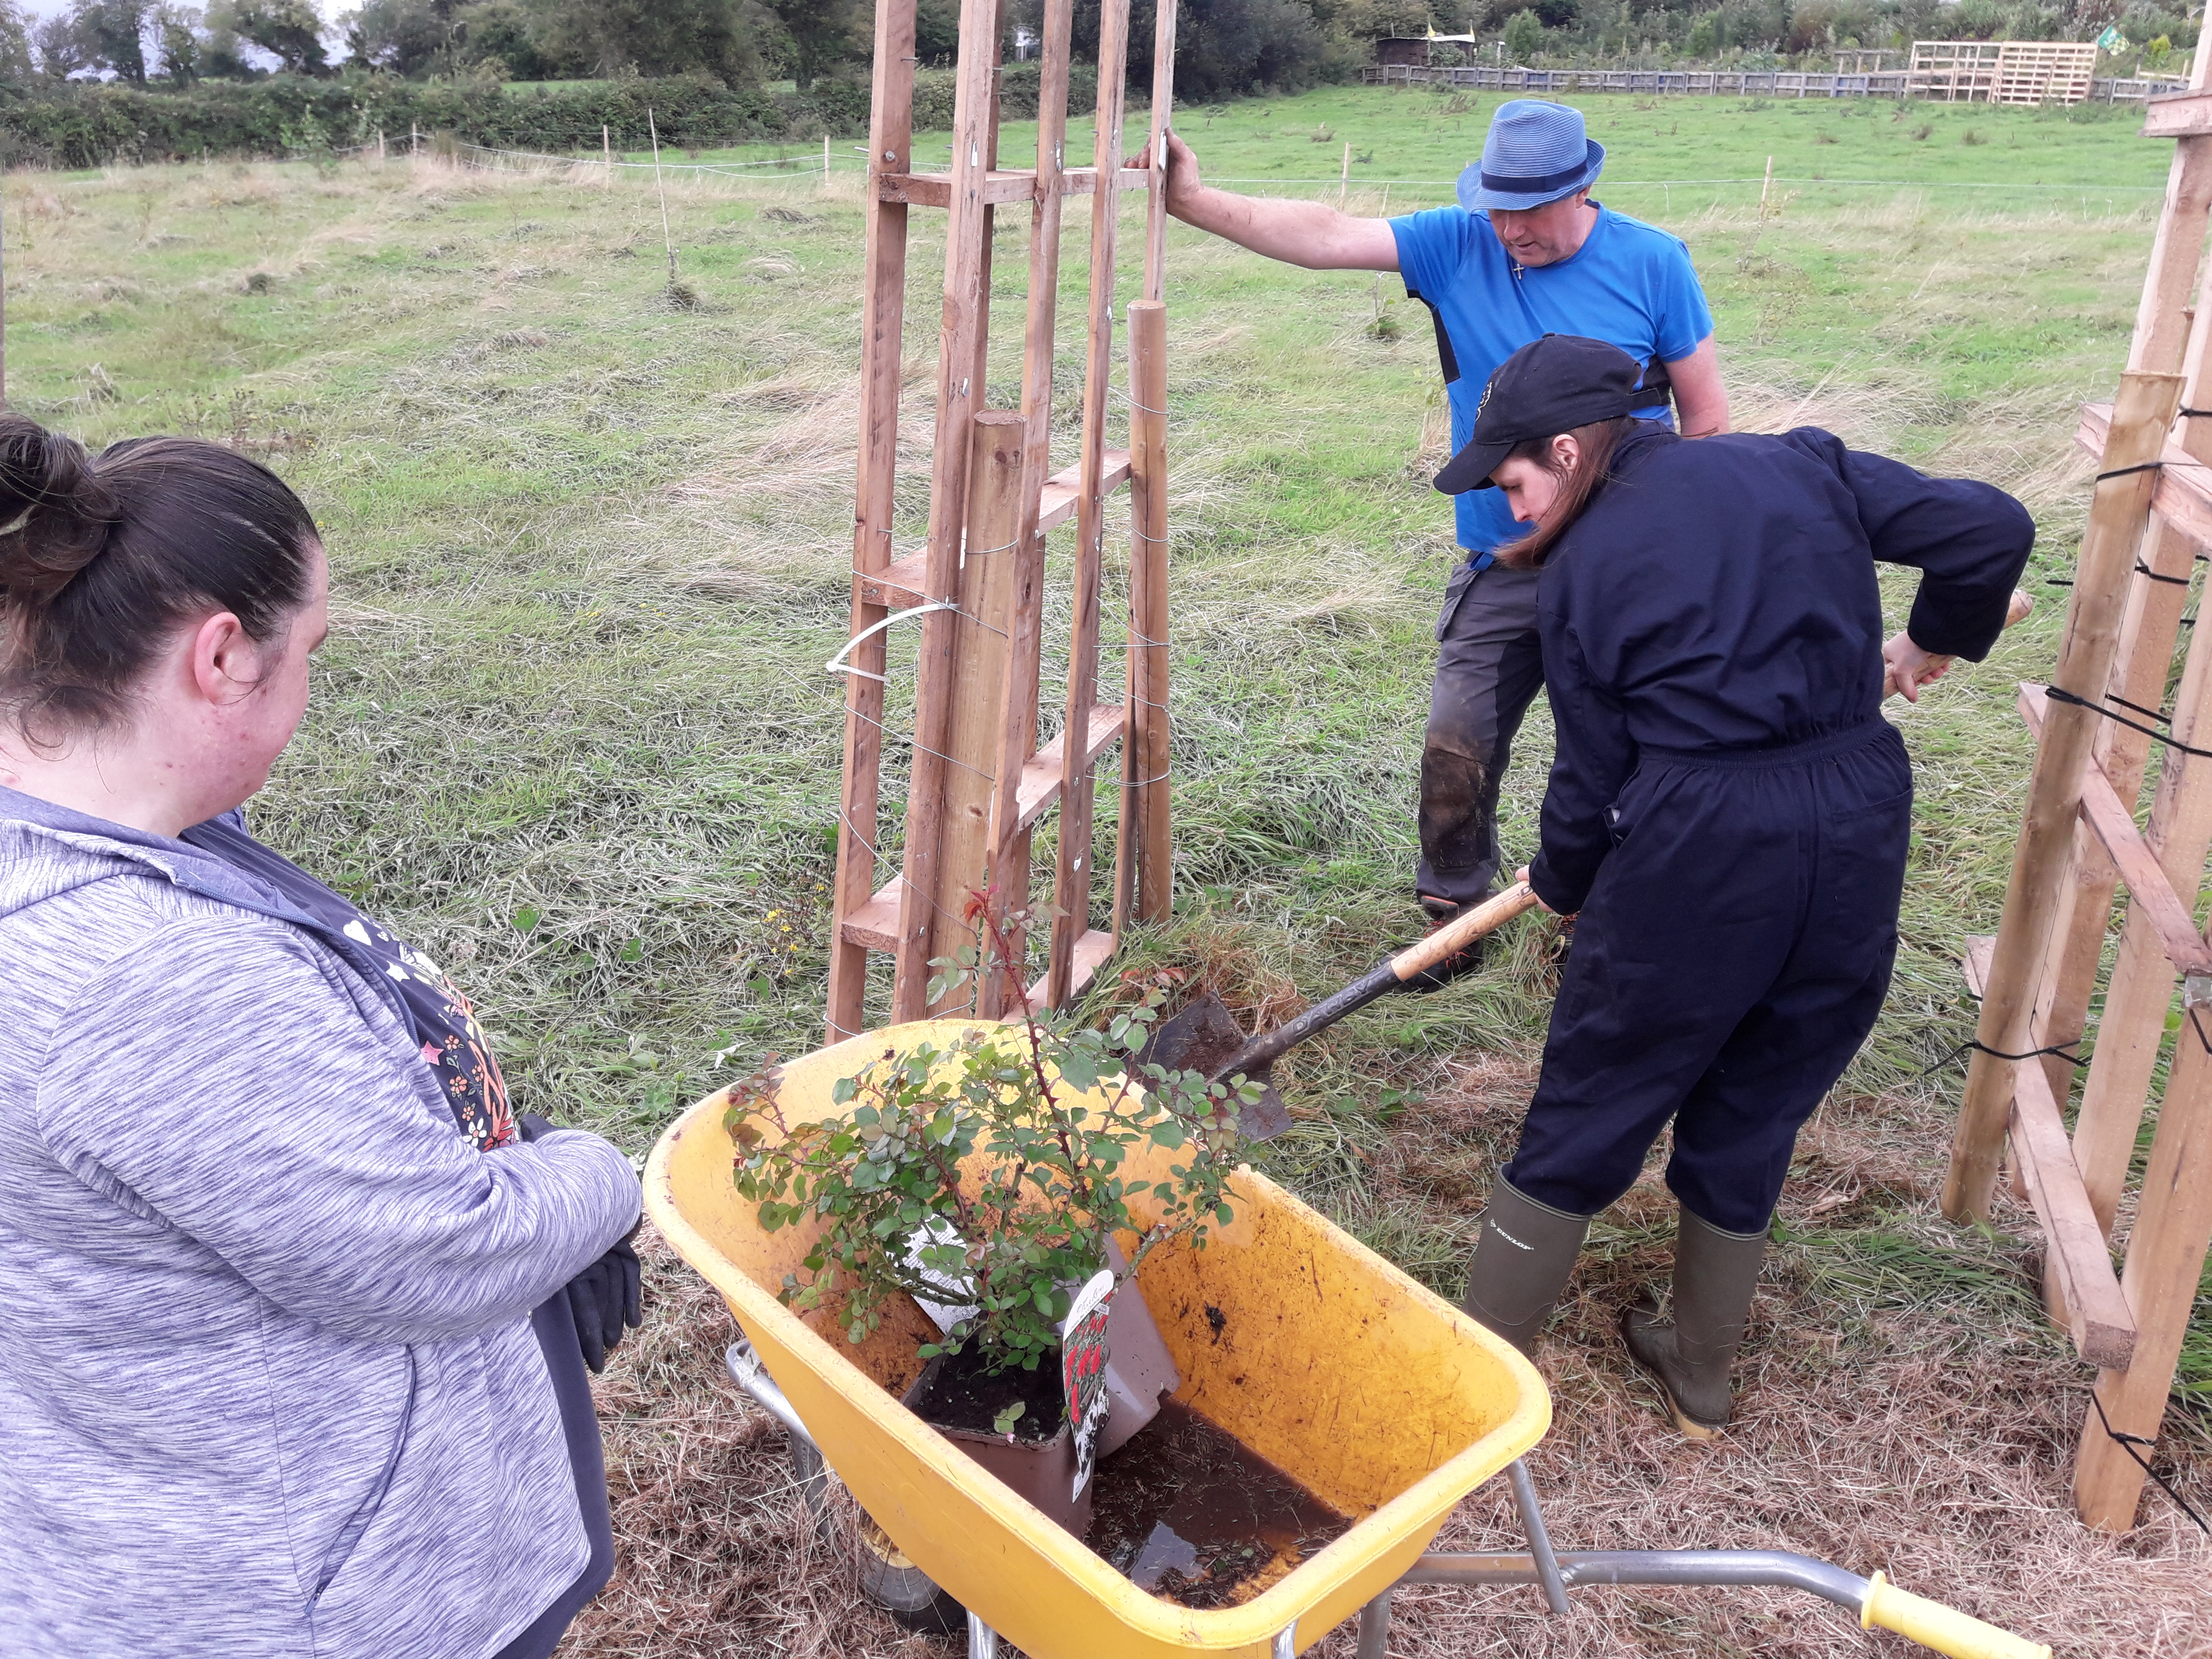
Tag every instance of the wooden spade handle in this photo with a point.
(1493, 912)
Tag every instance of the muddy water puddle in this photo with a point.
(1191, 1514)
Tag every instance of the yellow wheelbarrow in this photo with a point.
(1379, 1397)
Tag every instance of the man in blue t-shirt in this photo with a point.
(1525, 253)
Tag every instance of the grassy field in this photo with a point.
(573, 737)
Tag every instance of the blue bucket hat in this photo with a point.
(1534, 153)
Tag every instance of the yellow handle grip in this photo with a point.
(1944, 1629)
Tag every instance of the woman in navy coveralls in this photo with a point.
(1728, 815)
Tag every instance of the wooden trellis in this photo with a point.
(2150, 524)
(979, 781)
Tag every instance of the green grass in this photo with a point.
(573, 733)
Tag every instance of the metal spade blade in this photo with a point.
(1205, 1038)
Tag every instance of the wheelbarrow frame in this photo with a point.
(1553, 1572)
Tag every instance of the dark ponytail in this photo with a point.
(103, 558)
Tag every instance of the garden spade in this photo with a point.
(1205, 1037)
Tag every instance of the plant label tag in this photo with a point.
(1082, 1369)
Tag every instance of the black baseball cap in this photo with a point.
(1549, 386)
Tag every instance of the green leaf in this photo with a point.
(1004, 1421)
(526, 918)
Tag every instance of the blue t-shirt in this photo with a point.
(1630, 283)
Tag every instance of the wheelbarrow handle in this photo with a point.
(1944, 1629)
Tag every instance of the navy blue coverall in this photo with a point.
(1728, 811)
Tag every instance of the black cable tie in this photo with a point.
(2059, 581)
(2188, 414)
(2158, 715)
(2057, 1049)
(2128, 1443)
(2197, 1026)
(2123, 471)
(2057, 695)
(2143, 569)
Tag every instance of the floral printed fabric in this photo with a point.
(440, 1019)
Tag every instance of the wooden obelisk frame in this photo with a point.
(2150, 522)
(976, 591)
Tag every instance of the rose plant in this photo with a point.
(1048, 1109)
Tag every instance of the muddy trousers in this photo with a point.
(1731, 957)
(1489, 669)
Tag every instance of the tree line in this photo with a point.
(1224, 46)
(147, 79)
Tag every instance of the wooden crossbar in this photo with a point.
(2114, 827)
(1001, 185)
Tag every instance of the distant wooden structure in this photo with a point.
(2002, 71)
(2150, 524)
(978, 779)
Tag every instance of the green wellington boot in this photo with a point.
(1715, 1274)
(1521, 1259)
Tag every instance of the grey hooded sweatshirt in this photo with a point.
(268, 1385)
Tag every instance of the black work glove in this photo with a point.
(607, 1296)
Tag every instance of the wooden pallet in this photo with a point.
(979, 779)
(2002, 71)
(2150, 523)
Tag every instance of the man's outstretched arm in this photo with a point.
(1309, 233)
(1701, 403)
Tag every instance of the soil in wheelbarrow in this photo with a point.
(1193, 1515)
(962, 1392)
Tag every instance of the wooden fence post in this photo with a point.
(1073, 878)
(2117, 513)
(2165, 1257)
(1148, 731)
(883, 326)
(959, 389)
(606, 157)
(988, 570)
(1008, 867)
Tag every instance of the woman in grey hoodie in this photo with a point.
(270, 1243)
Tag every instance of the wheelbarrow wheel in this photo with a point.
(903, 1590)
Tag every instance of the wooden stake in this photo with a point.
(2166, 1259)
(2162, 317)
(414, 138)
(1156, 206)
(1344, 181)
(607, 157)
(883, 326)
(666, 240)
(2117, 512)
(958, 391)
(987, 579)
(380, 147)
(1009, 864)
(1766, 185)
(2133, 1030)
(1071, 917)
(1147, 742)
